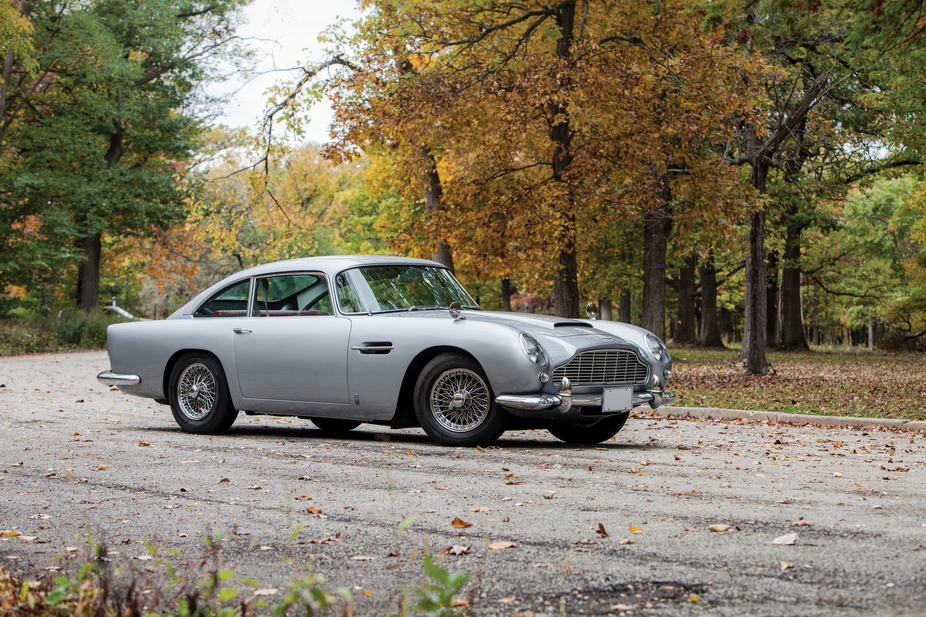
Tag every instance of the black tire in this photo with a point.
(455, 405)
(589, 433)
(198, 395)
(335, 424)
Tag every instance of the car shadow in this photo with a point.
(367, 433)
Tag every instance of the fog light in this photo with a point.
(668, 374)
(544, 378)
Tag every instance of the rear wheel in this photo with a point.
(588, 433)
(335, 424)
(455, 405)
(199, 398)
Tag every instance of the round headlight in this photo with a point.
(533, 350)
(656, 348)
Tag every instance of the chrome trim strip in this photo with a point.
(118, 379)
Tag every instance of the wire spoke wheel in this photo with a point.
(197, 391)
(460, 400)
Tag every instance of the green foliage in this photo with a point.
(438, 599)
(96, 142)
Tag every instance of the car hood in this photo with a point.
(541, 326)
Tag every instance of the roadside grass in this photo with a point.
(837, 381)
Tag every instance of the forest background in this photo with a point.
(742, 173)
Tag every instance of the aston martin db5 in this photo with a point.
(390, 341)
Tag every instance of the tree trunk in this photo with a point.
(710, 328)
(771, 301)
(686, 326)
(624, 306)
(88, 273)
(656, 226)
(753, 349)
(5, 73)
(792, 319)
(606, 313)
(506, 295)
(433, 201)
(566, 281)
(725, 323)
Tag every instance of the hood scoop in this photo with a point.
(572, 324)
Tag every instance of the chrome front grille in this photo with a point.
(604, 366)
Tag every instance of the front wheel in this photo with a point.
(199, 396)
(455, 405)
(584, 433)
(335, 425)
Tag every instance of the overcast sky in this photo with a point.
(283, 32)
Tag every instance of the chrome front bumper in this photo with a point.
(564, 399)
(118, 379)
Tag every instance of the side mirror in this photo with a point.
(591, 310)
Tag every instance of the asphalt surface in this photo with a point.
(287, 499)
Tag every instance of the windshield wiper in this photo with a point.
(424, 308)
(472, 308)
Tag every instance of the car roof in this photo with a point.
(332, 264)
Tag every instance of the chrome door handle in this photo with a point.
(242, 331)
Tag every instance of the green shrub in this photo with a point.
(26, 336)
(80, 330)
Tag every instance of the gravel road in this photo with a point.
(625, 527)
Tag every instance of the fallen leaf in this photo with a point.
(459, 523)
(254, 487)
(481, 509)
(719, 528)
(787, 539)
(442, 488)
(636, 530)
(624, 541)
(457, 550)
(623, 607)
(877, 507)
(837, 474)
(224, 480)
(786, 565)
(801, 523)
(362, 558)
(601, 532)
(693, 597)
(497, 546)
(269, 591)
(144, 444)
(313, 510)
(508, 600)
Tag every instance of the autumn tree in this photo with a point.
(547, 123)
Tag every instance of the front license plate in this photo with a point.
(617, 399)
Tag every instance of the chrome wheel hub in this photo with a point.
(460, 400)
(196, 391)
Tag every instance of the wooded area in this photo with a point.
(739, 172)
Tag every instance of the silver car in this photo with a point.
(385, 340)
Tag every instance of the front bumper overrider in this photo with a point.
(565, 401)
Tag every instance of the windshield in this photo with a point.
(390, 288)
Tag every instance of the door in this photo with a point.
(292, 348)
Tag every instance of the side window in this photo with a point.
(229, 302)
(291, 295)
